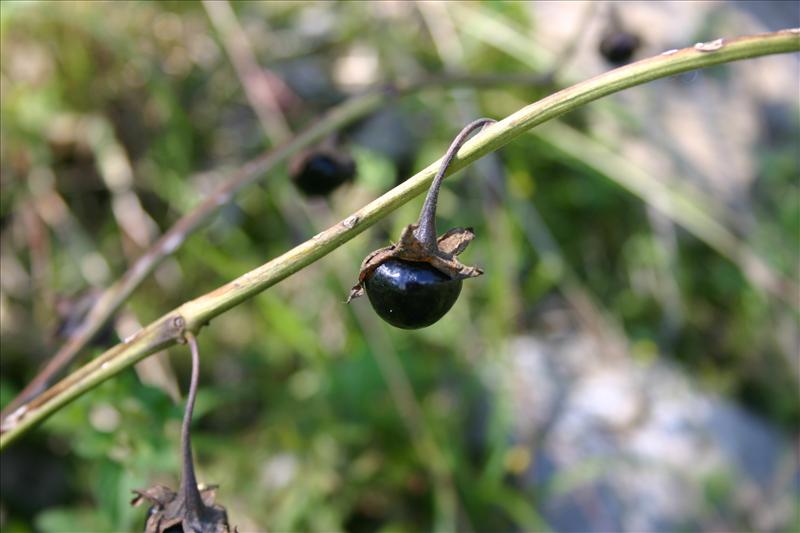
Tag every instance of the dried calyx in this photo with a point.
(418, 244)
(191, 509)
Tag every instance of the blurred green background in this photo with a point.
(117, 118)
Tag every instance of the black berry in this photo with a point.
(618, 47)
(319, 172)
(411, 295)
(414, 283)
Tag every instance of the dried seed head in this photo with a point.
(192, 508)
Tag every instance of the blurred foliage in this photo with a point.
(294, 419)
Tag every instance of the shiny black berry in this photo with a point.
(411, 295)
(319, 172)
(414, 283)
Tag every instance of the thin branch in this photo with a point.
(198, 312)
(259, 84)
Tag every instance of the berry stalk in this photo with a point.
(192, 500)
(426, 225)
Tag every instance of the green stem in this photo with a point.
(199, 311)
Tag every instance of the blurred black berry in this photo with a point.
(618, 47)
(319, 171)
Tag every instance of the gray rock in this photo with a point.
(618, 445)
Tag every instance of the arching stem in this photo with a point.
(426, 225)
(191, 495)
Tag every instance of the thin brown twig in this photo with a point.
(38, 241)
(258, 83)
